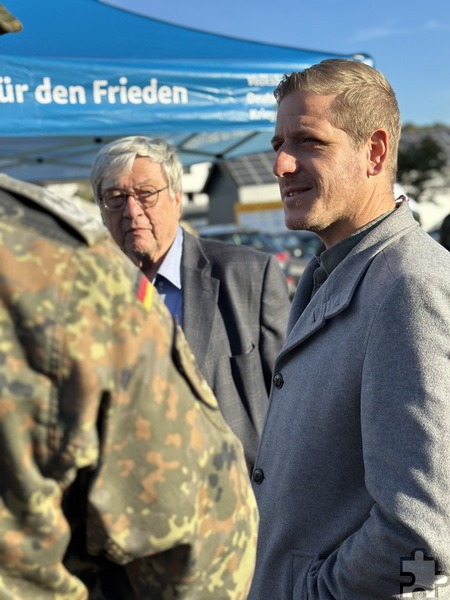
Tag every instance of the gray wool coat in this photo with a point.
(353, 471)
(235, 313)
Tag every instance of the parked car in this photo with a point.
(435, 233)
(301, 245)
(244, 236)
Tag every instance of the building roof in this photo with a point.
(253, 169)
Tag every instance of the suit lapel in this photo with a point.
(200, 294)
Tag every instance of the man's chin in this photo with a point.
(295, 224)
(301, 220)
(136, 255)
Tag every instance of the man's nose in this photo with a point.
(132, 207)
(285, 164)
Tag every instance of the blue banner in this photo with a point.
(49, 97)
(82, 73)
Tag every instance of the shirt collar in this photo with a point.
(329, 259)
(170, 267)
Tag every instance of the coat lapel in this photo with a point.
(302, 294)
(337, 292)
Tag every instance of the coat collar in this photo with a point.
(337, 293)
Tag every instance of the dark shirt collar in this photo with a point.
(329, 259)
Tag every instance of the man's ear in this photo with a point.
(378, 151)
(100, 210)
(178, 200)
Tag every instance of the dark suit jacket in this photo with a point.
(235, 312)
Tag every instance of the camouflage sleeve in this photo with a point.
(173, 482)
(94, 383)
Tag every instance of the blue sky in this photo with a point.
(409, 41)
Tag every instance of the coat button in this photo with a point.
(278, 380)
(258, 476)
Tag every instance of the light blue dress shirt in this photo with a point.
(168, 278)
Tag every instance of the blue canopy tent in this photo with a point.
(82, 73)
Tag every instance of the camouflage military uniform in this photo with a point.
(8, 22)
(119, 478)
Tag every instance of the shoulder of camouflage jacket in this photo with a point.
(191, 450)
(83, 223)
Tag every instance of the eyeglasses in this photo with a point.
(115, 200)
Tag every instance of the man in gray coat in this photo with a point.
(232, 302)
(352, 476)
